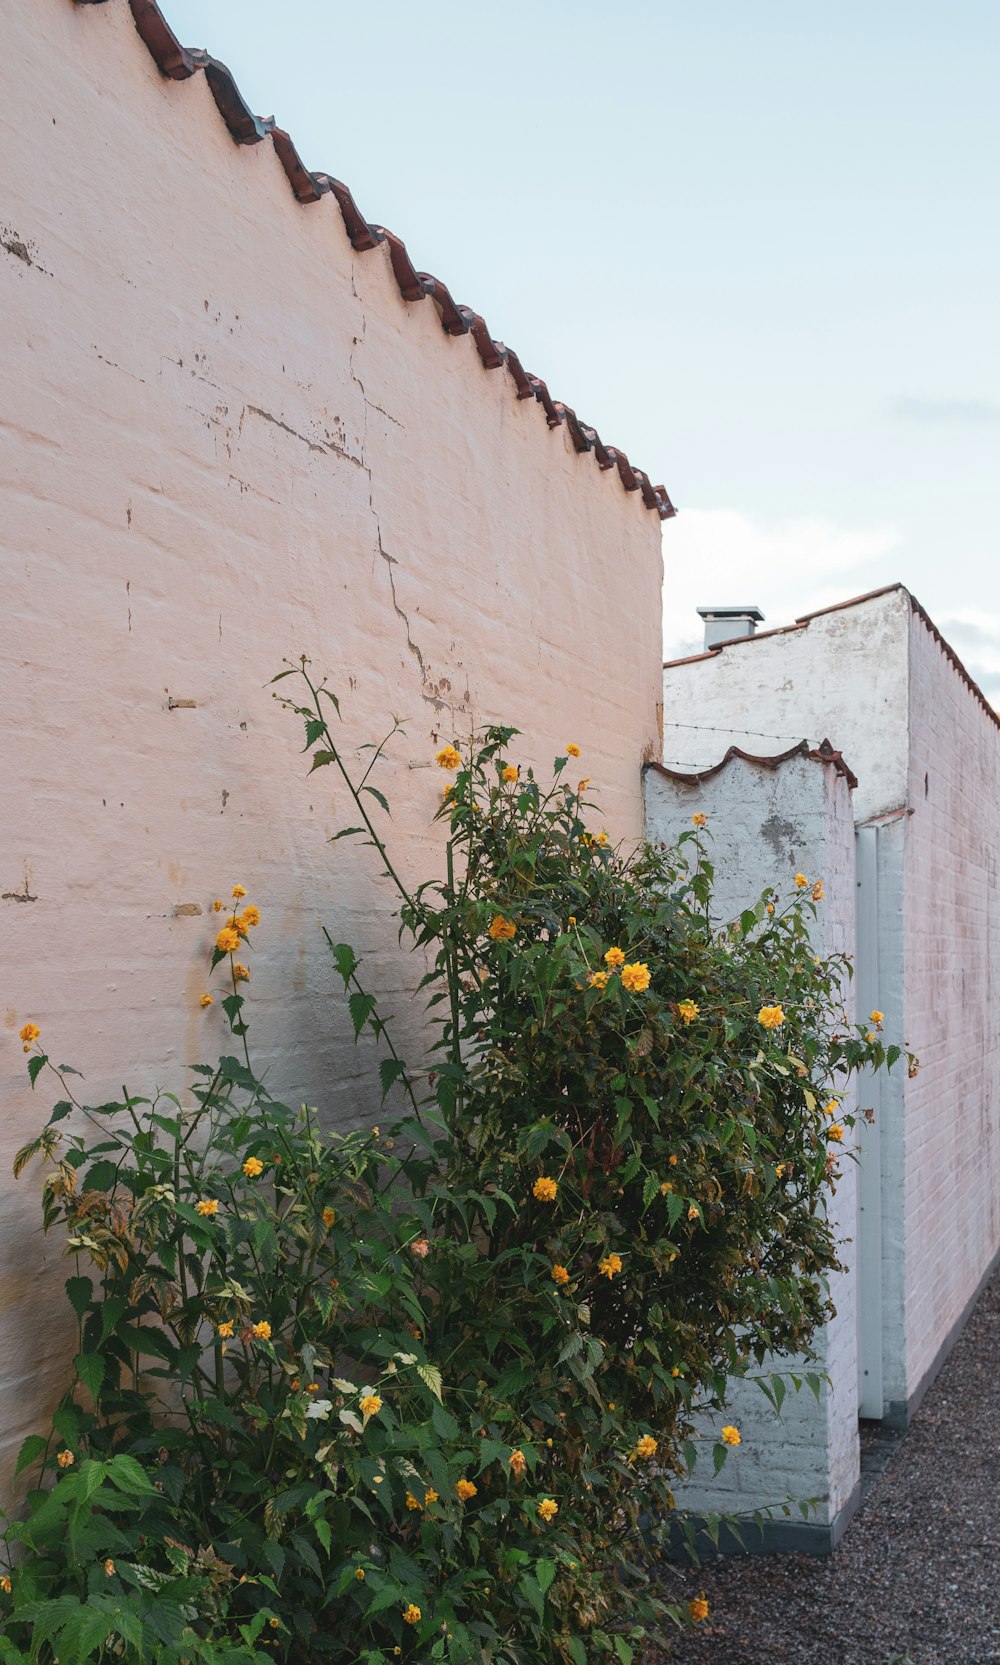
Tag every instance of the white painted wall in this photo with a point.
(873, 677)
(226, 439)
(765, 825)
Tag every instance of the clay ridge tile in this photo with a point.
(823, 753)
(179, 62)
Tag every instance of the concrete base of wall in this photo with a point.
(742, 1535)
(899, 1413)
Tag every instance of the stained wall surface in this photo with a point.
(811, 1452)
(876, 678)
(227, 441)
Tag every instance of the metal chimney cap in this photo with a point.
(747, 612)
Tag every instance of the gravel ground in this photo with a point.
(916, 1579)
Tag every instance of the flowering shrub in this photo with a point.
(422, 1395)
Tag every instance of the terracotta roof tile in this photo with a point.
(179, 62)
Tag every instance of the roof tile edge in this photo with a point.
(178, 63)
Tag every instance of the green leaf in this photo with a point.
(90, 1368)
(315, 726)
(320, 759)
(622, 1649)
(536, 1597)
(344, 958)
(718, 1455)
(378, 796)
(129, 1475)
(576, 1650)
(31, 1448)
(390, 1071)
(361, 1008)
(545, 1572)
(346, 832)
(36, 1065)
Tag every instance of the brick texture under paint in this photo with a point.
(227, 442)
(764, 826)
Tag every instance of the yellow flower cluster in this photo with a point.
(448, 758)
(501, 929)
(730, 1435)
(518, 1463)
(261, 1331)
(65, 1459)
(206, 1000)
(878, 1019)
(228, 940)
(700, 820)
(835, 1132)
(545, 1189)
(29, 1034)
(610, 1265)
(614, 959)
(370, 1405)
(698, 1609)
(646, 1447)
(225, 1330)
(509, 773)
(801, 882)
(687, 1011)
(411, 1614)
(572, 750)
(599, 979)
(817, 891)
(548, 1508)
(635, 978)
(770, 1017)
(253, 1167)
(559, 1275)
(207, 1208)
(465, 1489)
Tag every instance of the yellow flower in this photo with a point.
(502, 930)
(801, 882)
(572, 919)
(817, 891)
(411, 1501)
(614, 958)
(411, 1614)
(509, 773)
(228, 940)
(545, 1189)
(238, 891)
(693, 1212)
(831, 1108)
(250, 915)
(559, 1275)
(225, 1330)
(207, 1207)
(206, 1000)
(835, 1132)
(217, 906)
(262, 1331)
(572, 749)
(878, 1019)
(518, 1463)
(253, 1167)
(688, 1010)
(770, 907)
(700, 820)
(5, 1585)
(465, 1489)
(770, 1017)
(676, 1370)
(239, 924)
(635, 978)
(548, 1508)
(370, 1405)
(665, 1188)
(329, 1216)
(240, 973)
(673, 1161)
(448, 758)
(29, 1033)
(359, 1573)
(599, 979)
(430, 1496)
(109, 1568)
(581, 785)
(312, 1387)
(730, 1435)
(870, 1035)
(602, 838)
(610, 1265)
(646, 1447)
(698, 1609)
(65, 1459)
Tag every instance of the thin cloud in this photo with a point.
(786, 568)
(962, 412)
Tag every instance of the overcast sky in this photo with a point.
(758, 245)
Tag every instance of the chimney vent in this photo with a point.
(729, 624)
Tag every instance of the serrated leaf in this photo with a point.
(361, 1007)
(31, 1448)
(90, 1367)
(321, 759)
(545, 1572)
(36, 1065)
(430, 1375)
(379, 797)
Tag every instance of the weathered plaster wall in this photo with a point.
(842, 676)
(811, 1452)
(952, 985)
(227, 440)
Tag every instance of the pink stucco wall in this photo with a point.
(227, 440)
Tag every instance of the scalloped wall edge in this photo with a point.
(823, 753)
(179, 62)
